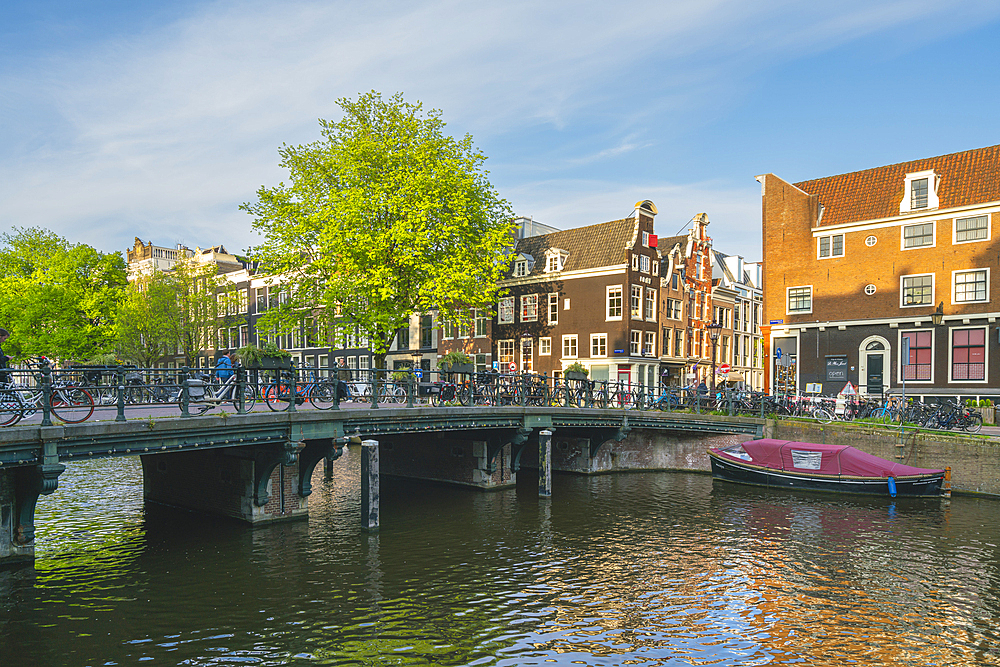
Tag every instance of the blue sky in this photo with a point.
(123, 119)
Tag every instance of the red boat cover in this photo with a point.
(820, 459)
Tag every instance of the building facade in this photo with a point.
(587, 295)
(859, 266)
(743, 280)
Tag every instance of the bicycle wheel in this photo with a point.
(973, 423)
(465, 395)
(72, 405)
(600, 399)
(249, 398)
(11, 407)
(822, 415)
(277, 395)
(321, 395)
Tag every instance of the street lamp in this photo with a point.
(714, 329)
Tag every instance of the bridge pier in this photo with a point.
(256, 484)
(20, 488)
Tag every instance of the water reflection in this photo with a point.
(652, 569)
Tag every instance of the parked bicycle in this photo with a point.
(203, 393)
(67, 402)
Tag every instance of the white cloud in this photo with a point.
(164, 134)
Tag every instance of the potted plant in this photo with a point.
(576, 371)
(269, 357)
(457, 362)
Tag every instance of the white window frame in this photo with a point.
(650, 301)
(656, 267)
(830, 237)
(635, 343)
(670, 310)
(645, 239)
(482, 319)
(635, 261)
(902, 235)
(918, 275)
(954, 286)
(570, 346)
(989, 228)
(951, 355)
(545, 346)
(933, 181)
(500, 352)
(635, 303)
(553, 308)
(798, 312)
(520, 268)
(506, 306)
(645, 264)
(526, 300)
(555, 260)
(649, 344)
(608, 317)
(599, 338)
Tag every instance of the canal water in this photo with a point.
(630, 569)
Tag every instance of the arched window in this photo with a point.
(875, 345)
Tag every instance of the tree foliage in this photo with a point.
(385, 216)
(57, 298)
(169, 313)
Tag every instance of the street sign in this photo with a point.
(723, 369)
(418, 373)
(496, 365)
(777, 353)
(512, 366)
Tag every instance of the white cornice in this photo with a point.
(917, 321)
(565, 275)
(907, 218)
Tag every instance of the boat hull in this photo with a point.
(731, 471)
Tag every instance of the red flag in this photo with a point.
(652, 240)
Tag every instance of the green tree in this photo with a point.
(384, 216)
(57, 298)
(145, 321)
(169, 313)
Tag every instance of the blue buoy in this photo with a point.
(892, 487)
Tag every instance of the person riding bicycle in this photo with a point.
(5, 375)
(224, 367)
(344, 377)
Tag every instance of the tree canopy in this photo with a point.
(57, 298)
(384, 216)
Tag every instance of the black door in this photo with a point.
(875, 373)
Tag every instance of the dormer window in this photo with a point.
(920, 192)
(555, 260)
(520, 268)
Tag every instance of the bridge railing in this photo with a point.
(74, 393)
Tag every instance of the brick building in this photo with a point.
(587, 295)
(860, 265)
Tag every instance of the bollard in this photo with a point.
(729, 400)
(946, 485)
(545, 464)
(46, 393)
(336, 393)
(184, 397)
(369, 486)
(120, 417)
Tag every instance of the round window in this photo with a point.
(869, 289)
(871, 240)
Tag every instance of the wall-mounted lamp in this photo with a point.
(938, 315)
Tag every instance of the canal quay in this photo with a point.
(652, 567)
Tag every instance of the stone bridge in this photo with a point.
(258, 467)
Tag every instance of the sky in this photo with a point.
(121, 119)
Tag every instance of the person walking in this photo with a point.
(344, 377)
(5, 375)
(224, 367)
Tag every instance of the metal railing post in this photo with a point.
(241, 408)
(336, 393)
(185, 395)
(524, 389)
(46, 393)
(293, 387)
(120, 417)
(729, 400)
(410, 389)
(374, 386)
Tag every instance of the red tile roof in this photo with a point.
(969, 177)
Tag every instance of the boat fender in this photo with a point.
(892, 487)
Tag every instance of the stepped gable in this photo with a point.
(603, 244)
(968, 177)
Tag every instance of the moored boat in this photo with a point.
(817, 467)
